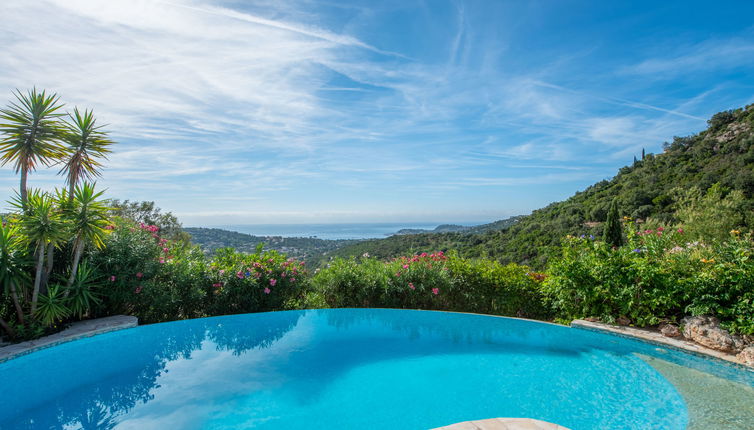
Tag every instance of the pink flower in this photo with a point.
(435, 291)
(273, 282)
(112, 278)
(217, 284)
(266, 290)
(397, 274)
(293, 279)
(162, 260)
(239, 275)
(660, 229)
(138, 289)
(222, 271)
(282, 275)
(405, 266)
(411, 285)
(107, 227)
(165, 250)
(139, 275)
(680, 230)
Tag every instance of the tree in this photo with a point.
(42, 225)
(148, 213)
(32, 129)
(613, 233)
(88, 218)
(711, 214)
(86, 144)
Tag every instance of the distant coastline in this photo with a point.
(343, 231)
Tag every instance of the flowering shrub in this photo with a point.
(149, 276)
(157, 279)
(431, 281)
(658, 275)
(259, 282)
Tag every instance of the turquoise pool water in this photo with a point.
(346, 369)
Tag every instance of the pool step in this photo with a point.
(504, 424)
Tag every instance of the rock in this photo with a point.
(706, 331)
(622, 321)
(747, 356)
(732, 131)
(669, 330)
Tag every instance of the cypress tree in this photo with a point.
(613, 233)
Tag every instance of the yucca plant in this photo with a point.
(88, 218)
(42, 225)
(86, 143)
(13, 269)
(32, 131)
(82, 293)
(52, 306)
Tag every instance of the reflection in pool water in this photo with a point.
(346, 368)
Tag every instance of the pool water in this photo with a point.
(350, 369)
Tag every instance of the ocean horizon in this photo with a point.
(336, 231)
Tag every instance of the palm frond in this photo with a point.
(86, 143)
(32, 130)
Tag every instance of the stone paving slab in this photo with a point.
(504, 424)
(658, 339)
(77, 330)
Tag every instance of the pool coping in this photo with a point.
(77, 330)
(659, 339)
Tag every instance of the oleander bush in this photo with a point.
(432, 281)
(157, 279)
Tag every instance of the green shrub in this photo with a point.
(259, 282)
(157, 279)
(432, 281)
(657, 276)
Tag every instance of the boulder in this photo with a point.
(622, 321)
(747, 356)
(670, 330)
(706, 331)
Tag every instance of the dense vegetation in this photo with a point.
(667, 237)
(656, 189)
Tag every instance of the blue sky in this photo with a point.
(326, 111)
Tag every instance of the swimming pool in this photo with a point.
(352, 368)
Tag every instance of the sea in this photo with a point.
(331, 231)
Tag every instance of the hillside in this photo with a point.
(650, 188)
(453, 228)
(304, 248)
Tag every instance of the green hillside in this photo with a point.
(304, 248)
(661, 188)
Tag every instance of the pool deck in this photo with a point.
(660, 340)
(503, 424)
(77, 330)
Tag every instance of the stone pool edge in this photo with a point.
(660, 340)
(77, 330)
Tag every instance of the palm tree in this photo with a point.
(88, 218)
(13, 263)
(32, 129)
(42, 225)
(86, 142)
